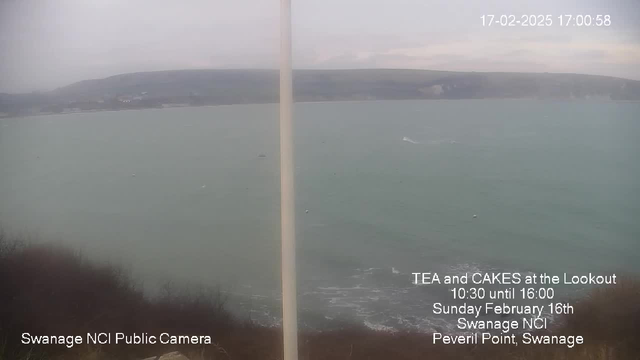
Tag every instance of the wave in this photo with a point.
(379, 298)
(467, 268)
(409, 140)
(357, 287)
(379, 327)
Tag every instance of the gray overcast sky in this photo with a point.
(49, 43)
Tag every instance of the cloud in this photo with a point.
(50, 43)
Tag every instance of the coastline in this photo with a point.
(3, 117)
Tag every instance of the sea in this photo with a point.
(384, 189)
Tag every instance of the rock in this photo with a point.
(173, 356)
(176, 355)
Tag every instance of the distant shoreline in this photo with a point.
(244, 86)
(309, 102)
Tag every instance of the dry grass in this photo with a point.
(52, 290)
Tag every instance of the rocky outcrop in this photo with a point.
(169, 356)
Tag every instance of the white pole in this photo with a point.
(287, 202)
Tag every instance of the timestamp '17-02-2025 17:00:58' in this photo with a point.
(565, 20)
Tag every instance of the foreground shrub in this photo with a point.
(52, 290)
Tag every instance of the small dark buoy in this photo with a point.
(262, 156)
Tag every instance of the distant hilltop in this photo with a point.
(216, 87)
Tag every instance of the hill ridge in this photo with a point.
(242, 86)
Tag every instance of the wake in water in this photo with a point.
(409, 140)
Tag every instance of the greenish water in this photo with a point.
(555, 187)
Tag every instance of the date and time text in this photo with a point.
(506, 20)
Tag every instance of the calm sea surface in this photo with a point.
(390, 188)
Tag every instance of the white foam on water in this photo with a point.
(335, 288)
(465, 268)
(337, 304)
(369, 269)
(363, 313)
(441, 141)
(379, 327)
(409, 140)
